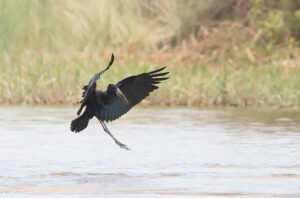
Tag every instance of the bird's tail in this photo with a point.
(79, 123)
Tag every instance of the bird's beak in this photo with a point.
(121, 95)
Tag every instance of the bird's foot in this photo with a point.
(123, 146)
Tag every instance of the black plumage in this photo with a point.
(117, 100)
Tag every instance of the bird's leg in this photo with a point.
(115, 139)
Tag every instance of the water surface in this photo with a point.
(175, 153)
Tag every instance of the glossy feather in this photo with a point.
(135, 89)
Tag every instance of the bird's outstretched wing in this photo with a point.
(92, 85)
(134, 88)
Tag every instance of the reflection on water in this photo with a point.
(209, 153)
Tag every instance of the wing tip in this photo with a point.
(157, 77)
(158, 70)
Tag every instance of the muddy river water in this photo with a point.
(175, 153)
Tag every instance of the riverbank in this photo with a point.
(234, 53)
(57, 78)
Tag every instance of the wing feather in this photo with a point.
(135, 89)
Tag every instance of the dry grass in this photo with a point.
(49, 49)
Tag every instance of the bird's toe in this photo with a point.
(123, 146)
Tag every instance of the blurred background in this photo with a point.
(220, 53)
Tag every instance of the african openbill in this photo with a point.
(116, 100)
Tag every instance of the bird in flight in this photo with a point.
(117, 100)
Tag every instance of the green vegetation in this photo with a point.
(219, 53)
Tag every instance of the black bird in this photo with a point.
(116, 100)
